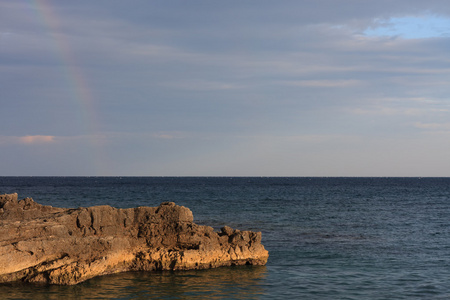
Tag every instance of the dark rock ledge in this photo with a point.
(44, 244)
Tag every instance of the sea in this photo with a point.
(327, 237)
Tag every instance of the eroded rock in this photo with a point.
(66, 246)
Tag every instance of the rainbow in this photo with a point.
(77, 84)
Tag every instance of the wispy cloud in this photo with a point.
(27, 140)
(433, 126)
(36, 139)
(169, 135)
(338, 83)
(202, 85)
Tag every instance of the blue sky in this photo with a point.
(225, 88)
(411, 27)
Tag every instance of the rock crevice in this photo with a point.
(52, 245)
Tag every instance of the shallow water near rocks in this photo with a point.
(339, 238)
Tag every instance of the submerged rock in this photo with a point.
(51, 245)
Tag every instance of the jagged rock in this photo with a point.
(64, 246)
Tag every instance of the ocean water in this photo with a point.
(328, 238)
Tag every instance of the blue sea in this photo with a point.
(328, 238)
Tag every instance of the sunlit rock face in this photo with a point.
(44, 244)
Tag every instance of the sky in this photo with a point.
(224, 88)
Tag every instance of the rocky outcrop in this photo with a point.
(51, 245)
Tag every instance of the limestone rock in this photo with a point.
(66, 246)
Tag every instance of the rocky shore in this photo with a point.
(44, 244)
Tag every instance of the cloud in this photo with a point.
(169, 135)
(324, 83)
(202, 85)
(36, 139)
(433, 126)
(27, 140)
